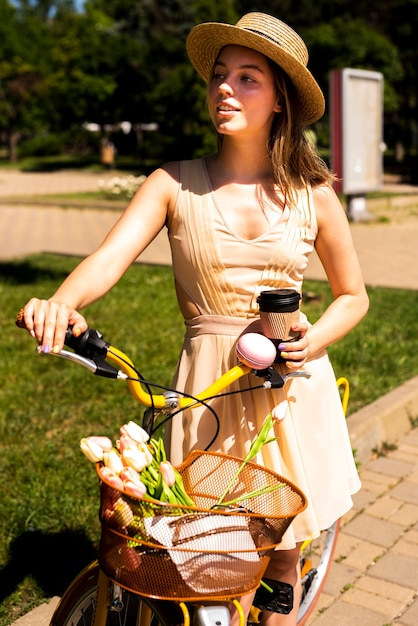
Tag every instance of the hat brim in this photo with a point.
(205, 41)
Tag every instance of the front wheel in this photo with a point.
(93, 599)
(316, 560)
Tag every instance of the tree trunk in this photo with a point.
(13, 141)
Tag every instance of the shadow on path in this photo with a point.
(30, 271)
(52, 560)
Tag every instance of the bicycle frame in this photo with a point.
(96, 359)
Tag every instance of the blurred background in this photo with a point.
(94, 81)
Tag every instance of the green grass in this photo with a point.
(48, 492)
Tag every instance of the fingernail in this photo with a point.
(284, 355)
(46, 349)
(55, 349)
(76, 332)
(281, 346)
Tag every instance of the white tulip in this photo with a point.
(113, 461)
(91, 450)
(135, 432)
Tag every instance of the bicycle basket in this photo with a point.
(167, 551)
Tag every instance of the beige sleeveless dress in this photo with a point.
(223, 275)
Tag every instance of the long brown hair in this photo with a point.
(295, 159)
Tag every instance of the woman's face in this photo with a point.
(242, 96)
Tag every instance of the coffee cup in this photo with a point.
(279, 310)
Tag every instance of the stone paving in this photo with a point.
(374, 577)
(17, 183)
(386, 249)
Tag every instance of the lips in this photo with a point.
(226, 108)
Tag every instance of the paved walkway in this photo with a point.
(374, 578)
(17, 183)
(386, 249)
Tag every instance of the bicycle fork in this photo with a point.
(102, 600)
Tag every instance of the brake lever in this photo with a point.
(97, 365)
(274, 380)
(71, 356)
(297, 374)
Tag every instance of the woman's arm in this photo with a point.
(47, 320)
(335, 249)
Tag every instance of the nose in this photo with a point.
(225, 88)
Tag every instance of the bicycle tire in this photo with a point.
(319, 554)
(76, 607)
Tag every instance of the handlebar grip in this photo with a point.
(89, 343)
(91, 346)
(19, 321)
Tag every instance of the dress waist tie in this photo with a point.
(221, 325)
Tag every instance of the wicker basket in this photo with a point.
(172, 552)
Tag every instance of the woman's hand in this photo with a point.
(47, 321)
(296, 353)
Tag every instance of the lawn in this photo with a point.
(48, 523)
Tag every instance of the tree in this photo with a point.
(399, 19)
(54, 73)
(22, 72)
(156, 83)
(339, 44)
(44, 9)
(125, 60)
(82, 67)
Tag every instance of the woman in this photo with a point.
(241, 221)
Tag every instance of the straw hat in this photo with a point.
(271, 37)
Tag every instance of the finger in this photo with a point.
(293, 349)
(37, 312)
(20, 321)
(295, 365)
(295, 354)
(52, 317)
(67, 318)
(300, 327)
(25, 316)
(78, 323)
(62, 317)
(294, 361)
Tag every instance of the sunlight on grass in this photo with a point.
(48, 492)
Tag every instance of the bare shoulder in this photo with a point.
(328, 207)
(159, 191)
(325, 197)
(172, 169)
(167, 175)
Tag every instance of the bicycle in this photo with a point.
(95, 598)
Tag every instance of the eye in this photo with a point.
(218, 74)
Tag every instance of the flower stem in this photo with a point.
(262, 438)
(254, 494)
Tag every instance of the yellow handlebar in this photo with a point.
(124, 363)
(343, 383)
